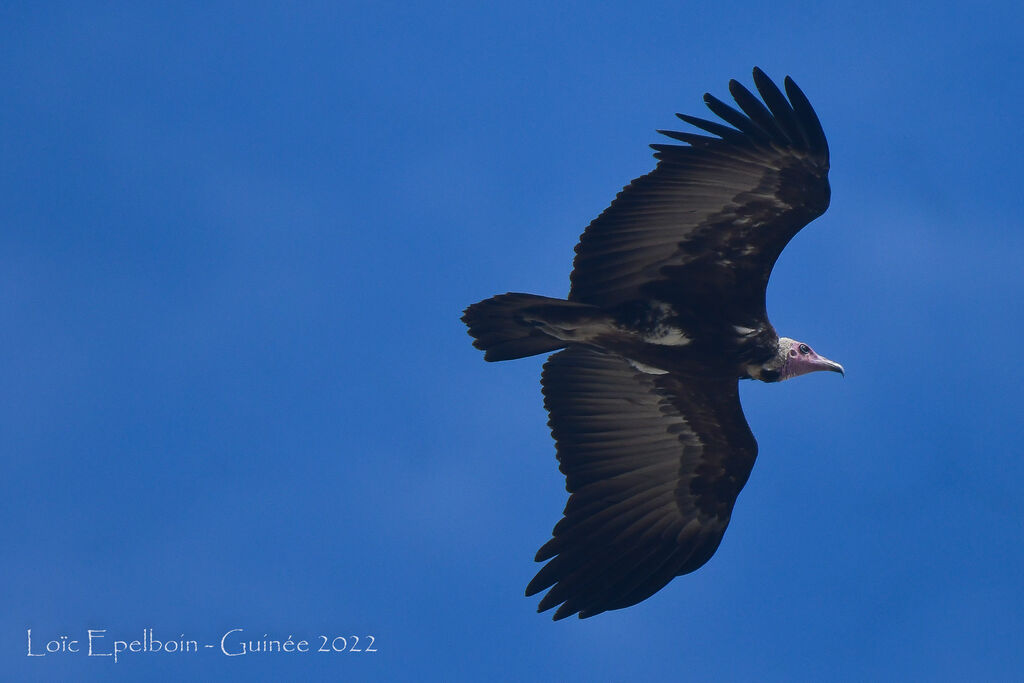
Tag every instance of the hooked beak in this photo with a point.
(811, 362)
(831, 365)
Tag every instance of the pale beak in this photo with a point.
(831, 365)
(804, 363)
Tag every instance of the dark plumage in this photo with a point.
(666, 312)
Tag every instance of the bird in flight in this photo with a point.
(666, 312)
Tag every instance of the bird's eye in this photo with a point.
(804, 349)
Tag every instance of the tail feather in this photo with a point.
(513, 325)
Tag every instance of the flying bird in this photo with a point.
(666, 313)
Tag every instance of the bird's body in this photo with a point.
(666, 312)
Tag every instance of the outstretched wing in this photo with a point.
(653, 465)
(712, 218)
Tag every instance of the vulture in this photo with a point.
(665, 314)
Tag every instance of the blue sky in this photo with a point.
(237, 239)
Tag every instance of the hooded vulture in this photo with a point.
(666, 312)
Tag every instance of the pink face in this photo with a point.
(801, 359)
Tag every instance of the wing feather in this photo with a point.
(653, 464)
(756, 111)
(715, 213)
(735, 118)
(713, 127)
(779, 106)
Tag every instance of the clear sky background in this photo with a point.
(235, 243)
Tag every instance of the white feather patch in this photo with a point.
(647, 369)
(664, 335)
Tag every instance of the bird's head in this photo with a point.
(792, 359)
(799, 359)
